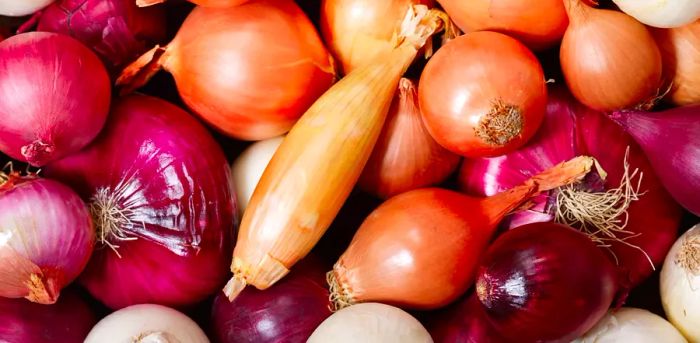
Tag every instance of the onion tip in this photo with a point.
(146, 3)
(42, 290)
(140, 71)
(234, 286)
(38, 152)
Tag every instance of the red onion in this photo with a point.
(545, 282)
(46, 237)
(67, 321)
(463, 322)
(670, 141)
(117, 30)
(644, 210)
(55, 96)
(289, 311)
(157, 183)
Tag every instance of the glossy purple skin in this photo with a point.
(161, 162)
(671, 141)
(54, 96)
(287, 312)
(67, 321)
(545, 282)
(462, 322)
(117, 30)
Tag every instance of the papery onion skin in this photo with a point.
(539, 24)
(249, 166)
(15, 8)
(680, 284)
(371, 323)
(56, 96)
(147, 323)
(545, 282)
(47, 240)
(159, 168)
(117, 30)
(462, 322)
(610, 61)
(405, 157)
(289, 311)
(661, 13)
(680, 51)
(482, 94)
(629, 324)
(250, 71)
(67, 321)
(356, 31)
(571, 129)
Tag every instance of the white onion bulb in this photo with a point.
(632, 325)
(249, 167)
(661, 13)
(146, 323)
(680, 284)
(370, 323)
(18, 8)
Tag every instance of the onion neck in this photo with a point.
(576, 9)
(38, 152)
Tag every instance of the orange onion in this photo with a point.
(610, 60)
(680, 51)
(358, 30)
(203, 3)
(538, 24)
(405, 157)
(250, 71)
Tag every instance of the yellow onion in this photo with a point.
(680, 51)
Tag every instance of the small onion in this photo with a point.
(249, 167)
(55, 96)
(370, 323)
(661, 13)
(632, 325)
(680, 284)
(146, 323)
(680, 51)
(19, 8)
(46, 237)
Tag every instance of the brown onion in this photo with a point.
(680, 51)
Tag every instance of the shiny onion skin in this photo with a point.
(116, 30)
(571, 129)
(289, 311)
(250, 71)
(680, 51)
(405, 157)
(482, 94)
(55, 96)
(157, 184)
(537, 24)
(545, 282)
(67, 321)
(47, 237)
(463, 322)
(610, 60)
(356, 31)
(203, 3)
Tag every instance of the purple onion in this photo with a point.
(462, 322)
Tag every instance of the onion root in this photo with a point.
(340, 294)
(110, 219)
(503, 123)
(688, 257)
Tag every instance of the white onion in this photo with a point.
(370, 323)
(661, 13)
(680, 284)
(146, 323)
(632, 325)
(249, 167)
(18, 8)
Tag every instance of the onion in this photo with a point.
(482, 94)
(55, 93)
(538, 24)
(629, 213)
(661, 13)
(67, 321)
(405, 157)
(681, 57)
(400, 254)
(670, 140)
(680, 284)
(463, 322)
(632, 325)
(371, 323)
(542, 274)
(250, 71)
(289, 311)
(357, 31)
(610, 61)
(46, 237)
(249, 167)
(116, 29)
(157, 184)
(203, 3)
(147, 323)
(19, 8)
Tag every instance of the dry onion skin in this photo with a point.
(632, 325)
(661, 13)
(680, 51)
